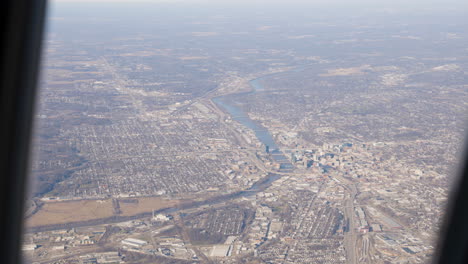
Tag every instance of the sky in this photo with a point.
(404, 7)
(421, 3)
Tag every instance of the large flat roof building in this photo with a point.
(133, 242)
(220, 250)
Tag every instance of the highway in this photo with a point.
(364, 256)
(350, 237)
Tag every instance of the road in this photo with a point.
(364, 256)
(350, 237)
(186, 238)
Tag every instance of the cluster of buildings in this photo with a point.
(112, 127)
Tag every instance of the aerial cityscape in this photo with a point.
(170, 134)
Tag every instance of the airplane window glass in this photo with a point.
(246, 131)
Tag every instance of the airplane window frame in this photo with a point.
(22, 28)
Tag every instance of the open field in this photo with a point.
(52, 213)
(145, 204)
(70, 211)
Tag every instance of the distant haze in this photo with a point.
(374, 3)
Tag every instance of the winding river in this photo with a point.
(263, 135)
(238, 115)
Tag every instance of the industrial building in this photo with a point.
(133, 242)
